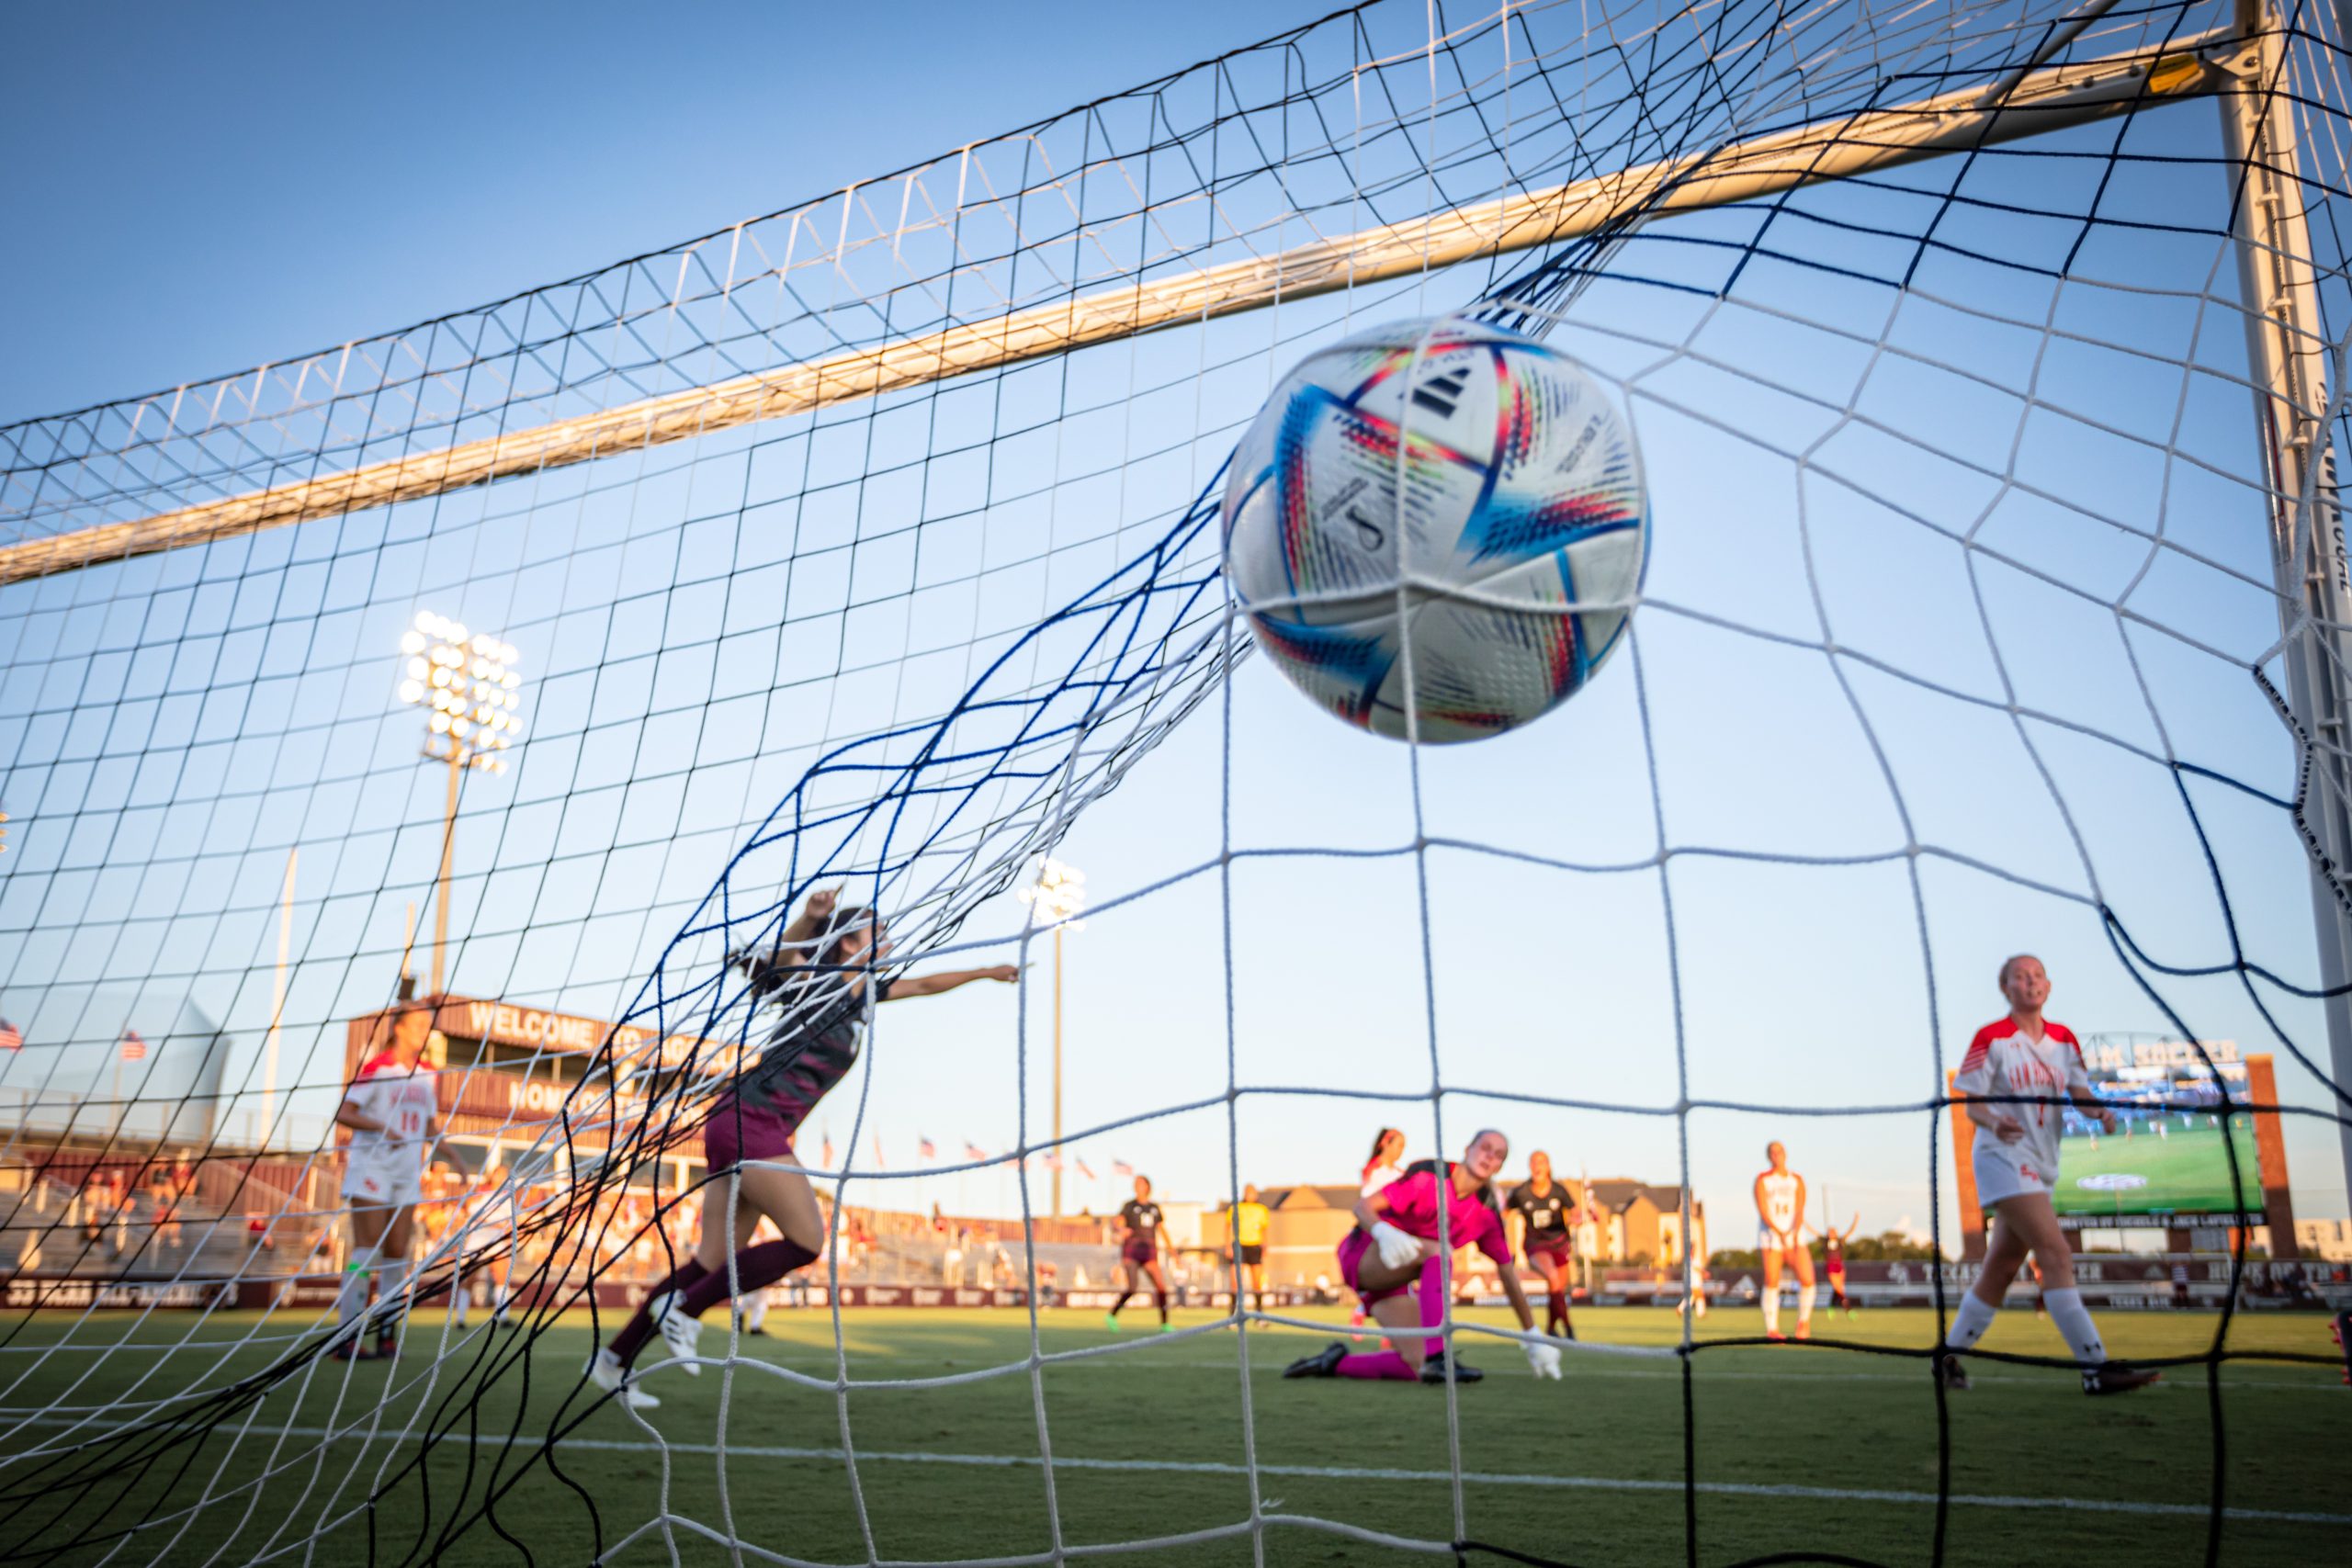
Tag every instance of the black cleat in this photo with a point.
(2116, 1377)
(1324, 1363)
(352, 1350)
(1950, 1373)
(1435, 1368)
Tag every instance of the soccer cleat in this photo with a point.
(352, 1350)
(1324, 1363)
(679, 1332)
(2116, 1377)
(1111, 1321)
(1776, 1337)
(756, 1333)
(1168, 1328)
(387, 1346)
(1440, 1365)
(607, 1374)
(1805, 1331)
(1950, 1373)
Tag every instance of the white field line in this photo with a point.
(1363, 1472)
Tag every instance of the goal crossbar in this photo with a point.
(2044, 100)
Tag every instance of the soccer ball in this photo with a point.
(1438, 521)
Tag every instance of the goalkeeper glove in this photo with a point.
(1543, 1360)
(1397, 1249)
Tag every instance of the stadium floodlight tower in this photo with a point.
(1058, 894)
(470, 682)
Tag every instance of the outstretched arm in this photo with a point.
(796, 937)
(812, 918)
(2088, 1102)
(948, 979)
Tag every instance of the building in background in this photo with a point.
(2330, 1241)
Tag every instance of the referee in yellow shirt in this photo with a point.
(1249, 1217)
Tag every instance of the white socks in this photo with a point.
(1772, 1310)
(753, 1309)
(351, 1300)
(1969, 1323)
(1805, 1303)
(2074, 1320)
(2066, 1312)
(391, 1303)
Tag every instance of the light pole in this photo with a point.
(467, 680)
(1058, 894)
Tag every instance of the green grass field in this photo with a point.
(1797, 1448)
(2187, 1172)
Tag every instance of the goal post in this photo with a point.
(2044, 99)
(2296, 416)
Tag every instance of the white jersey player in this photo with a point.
(1779, 1214)
(393, 1116)
(2016, 1080)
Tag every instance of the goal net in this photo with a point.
(1986, 359)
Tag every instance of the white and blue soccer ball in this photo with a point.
(1441, 519)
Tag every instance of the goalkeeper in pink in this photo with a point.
(1393, 1259)
(2015, 1081)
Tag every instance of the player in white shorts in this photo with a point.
(393, 1117)
(2016, 1080)
(1779, 1236)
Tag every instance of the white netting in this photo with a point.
(874, 542)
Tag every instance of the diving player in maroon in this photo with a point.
(1139, 1252)
(747, 1140)
(2014, 1083)
(1833, 1262)
(1546, 1217)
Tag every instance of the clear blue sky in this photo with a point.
(215, 190)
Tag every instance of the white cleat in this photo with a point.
(606, 1372)
(679, 1332)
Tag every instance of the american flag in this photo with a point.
(926, 1148)
(133, 1048)
(1053, 1160)
(973, 1151)
(1121, 1168)
(1084, 1172)
(11, 1039)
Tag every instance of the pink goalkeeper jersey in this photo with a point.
(2003, 1060)
(1471, 1221)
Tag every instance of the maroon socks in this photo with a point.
(756, 1267)
(639, 1327)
